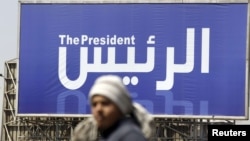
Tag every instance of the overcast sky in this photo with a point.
(8, 31)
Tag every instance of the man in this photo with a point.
(115, 116)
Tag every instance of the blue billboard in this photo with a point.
(184, 59)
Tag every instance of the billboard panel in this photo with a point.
(185, 59)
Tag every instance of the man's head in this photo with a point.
(105, 112)
(110, 100)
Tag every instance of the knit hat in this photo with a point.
(112, 87)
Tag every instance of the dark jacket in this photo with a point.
(124, 130)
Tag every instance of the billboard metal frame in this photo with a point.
(247, 95)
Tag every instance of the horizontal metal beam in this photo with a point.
(134, 1)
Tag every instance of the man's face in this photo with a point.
(105, 112)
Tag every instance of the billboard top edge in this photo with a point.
(133, 1)
(153, 115)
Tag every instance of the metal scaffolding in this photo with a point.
(22, 128)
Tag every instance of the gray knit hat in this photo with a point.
(112, 87)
